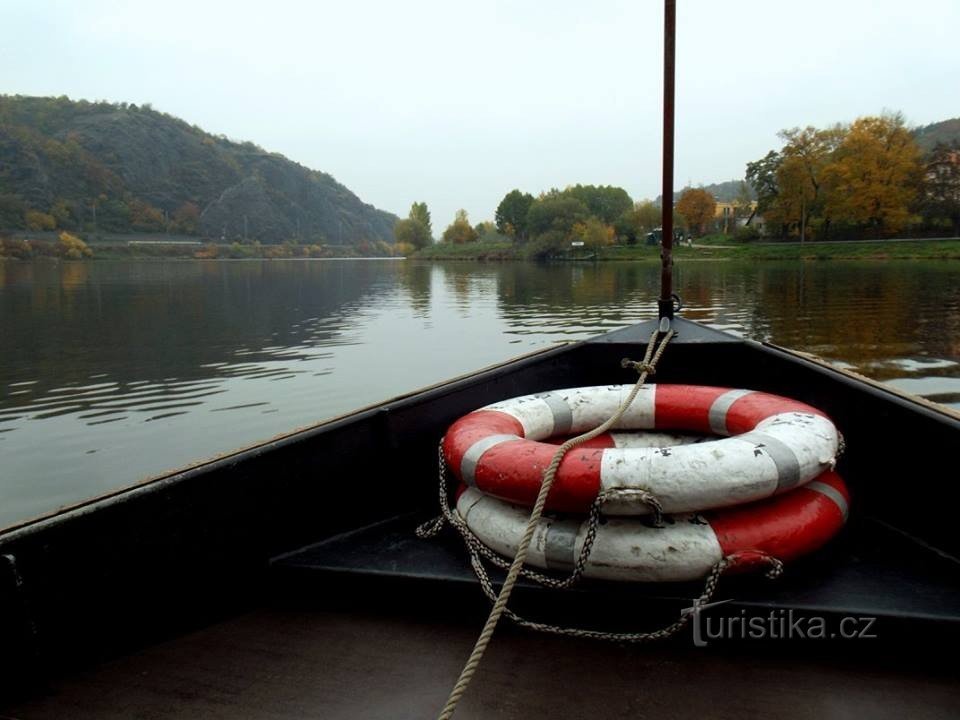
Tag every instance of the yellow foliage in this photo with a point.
(72, 248)
(698, 208)
(37, 220)
(208, 252)
(875, 174)
(401, 249)
(594, 233)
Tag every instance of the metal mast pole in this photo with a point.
(665, 303)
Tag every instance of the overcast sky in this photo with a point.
(455, 103)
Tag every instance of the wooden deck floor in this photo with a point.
(275, 664)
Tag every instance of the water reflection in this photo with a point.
(117, 370)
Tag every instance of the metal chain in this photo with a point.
(479, 552)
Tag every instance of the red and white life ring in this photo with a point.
(686, 548)
(773, 444)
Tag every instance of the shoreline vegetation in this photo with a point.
(710, 248)
(716, 248)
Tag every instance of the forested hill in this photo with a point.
(945, 131)
(105, 167)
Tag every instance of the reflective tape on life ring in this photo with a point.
(774, 444)
(685, 548)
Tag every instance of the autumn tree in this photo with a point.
(460, 231)
(37, 220)
(186, 218)
(941, 191)
(803, 174)
(698, 207)
(875, 173)
(594, 233)
(72, 248)
(511, 214)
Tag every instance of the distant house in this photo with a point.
(726, 213)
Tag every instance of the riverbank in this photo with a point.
(721, 248)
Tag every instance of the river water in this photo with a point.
(111, 372)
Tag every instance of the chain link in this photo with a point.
(479, 552)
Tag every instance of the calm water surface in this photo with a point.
(114, 371)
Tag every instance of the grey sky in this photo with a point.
(456, 103)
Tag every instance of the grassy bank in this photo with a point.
(721, 248)
(492, 250)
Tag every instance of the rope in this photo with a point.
(648, 363)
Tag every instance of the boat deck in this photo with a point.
(310, 663)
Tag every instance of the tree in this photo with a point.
(411, 232)
(941, 191)
(555, 211)
(605, 202)
(594, 233)
(37, 220)
(698, 207)
(419, 212)
(638, 221)
(511, 215)
(875, 173)
(803, 173)
(72, 248)
(460, 231)
(743, 205)
(415, 230)
(762, 175)
(186, 218)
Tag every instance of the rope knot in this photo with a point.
(640, 366)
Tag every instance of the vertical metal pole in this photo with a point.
(665, 303)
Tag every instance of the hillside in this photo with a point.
(105, 167)
(945, 131)
(727, 191)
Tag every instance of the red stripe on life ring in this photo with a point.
(750, 410)
(514, 471)
(600, 441)
(473, 427)
(685, 407)
(785, 527)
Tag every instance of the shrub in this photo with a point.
(747, 233)
(72, 248)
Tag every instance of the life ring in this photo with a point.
(773, 444)
(686, 547)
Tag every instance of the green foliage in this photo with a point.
(415, 230)
(411, 232)
(420, 213)
(604, 202)
(547, 245)
(637, 222)
(511, 214)
(114, 167)
(747, 233)
(555, 212)
(762, 176)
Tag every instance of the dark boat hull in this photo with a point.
(183, 550)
